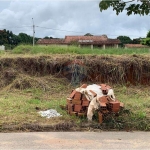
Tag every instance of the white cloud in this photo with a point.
(79, 16)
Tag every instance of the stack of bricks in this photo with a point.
(77, 104)
(108, 106)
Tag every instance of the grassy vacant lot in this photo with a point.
(20, 107)
(27, 49)
(20, 103)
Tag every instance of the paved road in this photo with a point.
(75, 140)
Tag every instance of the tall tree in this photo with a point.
(11, 40)
(3, 37)
(141, 7)
(148, 34)
(124, 40)
(146, 41)
(24, 38)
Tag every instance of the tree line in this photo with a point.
(10, 40)
(127, 40)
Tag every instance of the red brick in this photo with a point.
(78, 102)
(85, 103)
(72, 94)
(77, 108)
(102, 104)
(114, 106)
(84, 98)
(121, 105)
(100, 117)
(105, 88)
(108, 87)
(69, 100)
(84, 86)
(103, 99)
(70, 108)
(77, 96)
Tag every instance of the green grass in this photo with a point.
(137, 104)
(19, 107)
(28, 49)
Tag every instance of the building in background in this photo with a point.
(2, 47)
(135, 46)
(81, 41)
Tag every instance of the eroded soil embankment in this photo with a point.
(133, 69)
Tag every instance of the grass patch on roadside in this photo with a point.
(136, 115)
(21, 106)
(37, 49)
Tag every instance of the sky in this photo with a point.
(58, 18)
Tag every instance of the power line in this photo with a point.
(80, 32)
(62, 30)
(14, 26)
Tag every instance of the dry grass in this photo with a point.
(25, 96)
(114, 69)
(32, 83)
(20, 104)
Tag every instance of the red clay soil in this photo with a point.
(133, 69)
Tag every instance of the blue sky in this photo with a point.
(58, 18)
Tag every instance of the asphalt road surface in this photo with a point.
(75, 140)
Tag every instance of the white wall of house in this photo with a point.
(65, 45)
(2, 47)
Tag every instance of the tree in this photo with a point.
(136, 41)
(3, 37)
(141, 7)
(88, 34)
(11, 40)
(46, 37)
(25, 39)
(148, 34)
(146, 41)
(124, 40)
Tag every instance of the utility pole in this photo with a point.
(33, 30)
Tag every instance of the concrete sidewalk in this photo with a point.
(75, 140)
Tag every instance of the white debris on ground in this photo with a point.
(49, 113)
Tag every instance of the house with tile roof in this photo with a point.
(135, 46)
(92, 41)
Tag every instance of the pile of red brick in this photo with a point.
(108, 106)
(77, 104)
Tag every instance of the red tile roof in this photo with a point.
(69, 39)
(80, 39)
(135, 46)
(50, 41)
